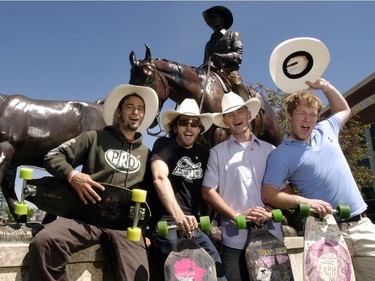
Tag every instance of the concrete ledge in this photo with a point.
(89, 264)
(295, 251)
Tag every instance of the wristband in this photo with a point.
(325, 87)
(71, 175)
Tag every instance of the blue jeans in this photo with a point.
(164, 245)
(235, 264)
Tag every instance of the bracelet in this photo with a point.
(71, 175)
(325, 87)
(235, 217)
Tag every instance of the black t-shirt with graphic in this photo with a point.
(186, 169)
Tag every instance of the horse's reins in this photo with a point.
(166, 95)
(205, 85)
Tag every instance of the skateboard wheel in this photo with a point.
(343, 211)
(134, 234)
(162, 229)
(21, 208)
(139, 195)
(240, 222)
(277, 215)
(26, 173)
(304, 209)
(205, 223)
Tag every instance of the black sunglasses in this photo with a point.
(194, 123)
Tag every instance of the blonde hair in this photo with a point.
(302, 97)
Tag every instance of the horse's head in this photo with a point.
(145, 73)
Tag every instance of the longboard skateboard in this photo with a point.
(190, 261)
(266, 255)
(120, 208)
(326, 255)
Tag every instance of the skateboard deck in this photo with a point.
(116, 210)
(267, 257)
(189, 263)
(326, 256)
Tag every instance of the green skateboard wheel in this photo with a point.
(139, 195)
(277, 215)
(134, 234)
(21, 208)
(205, 223)
(26, 173)
(240, 222)
(162, 229)
(304, 209)
(343, 211)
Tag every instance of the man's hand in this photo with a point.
(83, 185)
(258, 215)
(319, 206)
(319, 84)
(187, 223)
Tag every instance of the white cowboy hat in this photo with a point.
(187, 107)
(297, 60)
(232, 102)
(148, 95)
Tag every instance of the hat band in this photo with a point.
(305, 71)
(234, 106)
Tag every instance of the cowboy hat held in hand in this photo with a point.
(232, 102)
(188, 107)
(297, 60)
(149, 96)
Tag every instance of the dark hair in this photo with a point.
(128, 97)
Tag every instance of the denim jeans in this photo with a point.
(162, 246)
(235, 264)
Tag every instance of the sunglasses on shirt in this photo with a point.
(194, 123)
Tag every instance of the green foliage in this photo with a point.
(30, 214)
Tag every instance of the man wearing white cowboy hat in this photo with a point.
(113, 155)
(224, 49)
(233, 180)
(178, 163)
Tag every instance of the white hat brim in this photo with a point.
(148, 95)
(252, 104)
(170, 114)
(318, 60)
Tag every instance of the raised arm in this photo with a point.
(337, 102)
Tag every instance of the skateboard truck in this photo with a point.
(163, 227)
(21, 208)
(136, 213)
(341, 211)
(241, 222)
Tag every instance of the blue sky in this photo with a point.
(80, 50)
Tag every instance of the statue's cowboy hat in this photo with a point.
(297, 60)
(148, 95)
(224, 13)
(188, 107)
(231, 102)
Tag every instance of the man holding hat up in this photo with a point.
(224, 48)
(113, 155)
(178, 163)
(233, 180)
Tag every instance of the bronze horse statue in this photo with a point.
(30, 128)
(177, 82)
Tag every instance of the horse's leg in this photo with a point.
(7, 178)
(218, 135)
